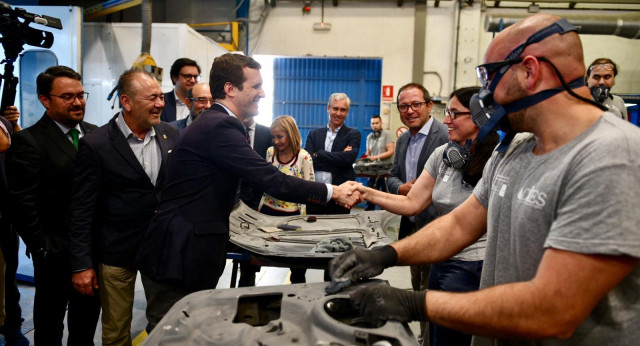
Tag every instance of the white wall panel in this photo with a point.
(110, 49)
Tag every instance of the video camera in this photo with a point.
(15, 34)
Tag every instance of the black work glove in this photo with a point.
(379, 303)
(360, 264)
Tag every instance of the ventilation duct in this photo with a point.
(623, 25)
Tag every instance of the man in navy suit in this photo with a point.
(198, 100)
(334, 149)
(185, 73)
(185, 243)
(413, 149)
(39, 168)
(120, 171)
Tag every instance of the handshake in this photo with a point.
(348, 194)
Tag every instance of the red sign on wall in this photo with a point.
(387, 93)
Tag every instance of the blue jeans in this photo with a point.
(453, 276)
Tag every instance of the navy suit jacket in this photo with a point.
(337, 161)
(185, 243)
(39, 174)
(438, 135)
(113, 199)
(180, 124)
(169, 110)
(249, 194)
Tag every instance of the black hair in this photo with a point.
(425, 92)
(178, 65)
(229, 68)
(44, 81)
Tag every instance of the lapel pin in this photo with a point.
(164, 136)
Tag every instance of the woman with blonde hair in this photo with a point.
(288, 156)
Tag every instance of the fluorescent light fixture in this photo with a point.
(322, 26)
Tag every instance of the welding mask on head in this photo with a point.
(599, 93)
(456, 155)
(487, 113)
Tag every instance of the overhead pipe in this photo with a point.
(624, 25)
(146, 27)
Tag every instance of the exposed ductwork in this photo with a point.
(146, 27)
(623, 25)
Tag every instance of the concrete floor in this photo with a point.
(268, 276)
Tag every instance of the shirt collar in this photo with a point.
(336, 131)
(65, 129)
(228, 110)
(427, 127)
(126, 131)
(178, 101)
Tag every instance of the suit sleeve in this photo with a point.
(394, 181)
(343, 159)
(233, 153)
(310, 145)
(24, 169)
(84, 196)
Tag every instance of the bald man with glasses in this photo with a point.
(198, 100)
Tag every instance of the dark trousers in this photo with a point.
(376, 183)
(453, 276)
(161, 296)
(298, 275)
(54, 292)
(419, 273)
(10, 244)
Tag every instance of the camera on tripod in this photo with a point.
(16, 32)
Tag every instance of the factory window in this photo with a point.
(32, 63)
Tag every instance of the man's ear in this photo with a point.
(230, 89)
(125, 100)
(533, 71)
(44, 100)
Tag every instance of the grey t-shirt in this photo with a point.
(378, 145)
(616, 105)
(579, 198)
(448, 193)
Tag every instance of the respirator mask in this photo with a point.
(599, 93)
(488, 114)
(458, 156)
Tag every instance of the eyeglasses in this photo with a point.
(414, 106)
(189, 76)
(71, 98)
(454, 114)
(485, 71)
(605, 66)
(202, 100)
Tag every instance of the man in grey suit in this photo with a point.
(413, 149)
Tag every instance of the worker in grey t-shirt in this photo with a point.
(600, 78)
(563, 244)
(380, 147)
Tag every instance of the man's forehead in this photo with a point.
(342, 104)
(600, 70)
(411, 94)
(201, 90)
(252, 76)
